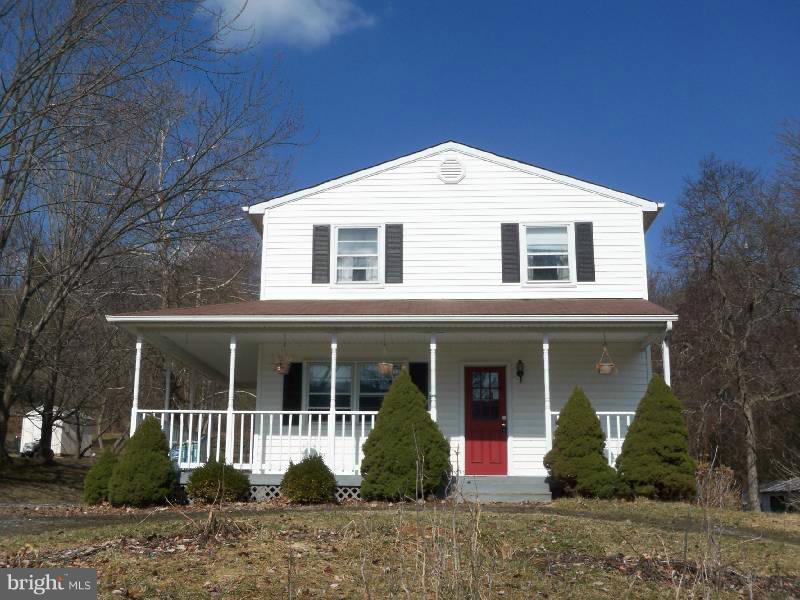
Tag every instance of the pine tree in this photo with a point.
(404, 444)
(577, 463)
(655, 460)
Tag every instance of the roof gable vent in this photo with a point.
(451, 170)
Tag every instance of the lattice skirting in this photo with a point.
(271, 491)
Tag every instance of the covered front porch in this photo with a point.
(495, 388)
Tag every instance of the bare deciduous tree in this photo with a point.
(127, 136)
(735, 263)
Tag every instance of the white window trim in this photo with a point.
(523, 250)
(335, 254)
(355, 392)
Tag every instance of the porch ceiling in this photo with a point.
(206, 347)
(200, 336)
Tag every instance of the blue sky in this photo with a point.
(627, 94)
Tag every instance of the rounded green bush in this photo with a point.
(144, 474)
(577, 462)
(655, 461)
(217, 482)
(404, 444)
(309, 482)
(95, 484)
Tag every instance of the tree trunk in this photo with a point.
(753, 499)
(5, 458)
(45, 452)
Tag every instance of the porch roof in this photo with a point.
(474, 311)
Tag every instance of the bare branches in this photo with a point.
(129, 137)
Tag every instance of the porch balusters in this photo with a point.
(229, 424)
(548, 423)
(332, 415)
(137, 368)
(433, 378)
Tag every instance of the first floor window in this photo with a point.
(319, 386)
(359, 386)
(373, 384)
(357, 255)
(547, 251)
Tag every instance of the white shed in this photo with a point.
(65, 432)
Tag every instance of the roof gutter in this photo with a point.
(337, 319)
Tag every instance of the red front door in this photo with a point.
(485, 412)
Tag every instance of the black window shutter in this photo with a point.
(293, 387)
(419, 376)
(321, 254)
(584, 251)
(394, 253)
(509, 248)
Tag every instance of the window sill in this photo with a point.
(358, 284)
(555, 284)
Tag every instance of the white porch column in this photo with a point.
(433, 378)
(548, 423)
(137, 368)
(229, 424)
(332, 411)
(665, 354)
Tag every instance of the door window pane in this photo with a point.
(485, 395)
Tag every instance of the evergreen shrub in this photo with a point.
(309, 482)
(144, 474)
(655, 461)
(577, 464)
(406, 453)
(95, 484)
(217, 482)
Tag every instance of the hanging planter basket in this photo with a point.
(282, 365)
(606, 366)
(282, 362)
(385, 368)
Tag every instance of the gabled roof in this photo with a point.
(648, 206)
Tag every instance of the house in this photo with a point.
(498, 284)
(71, 433)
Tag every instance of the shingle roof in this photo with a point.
(346, 308)
(787, 485)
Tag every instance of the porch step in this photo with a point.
(503, 488)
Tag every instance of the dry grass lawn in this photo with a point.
(25, 480)
(567, 549)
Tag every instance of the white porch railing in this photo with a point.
(615, 427)
(264, 441)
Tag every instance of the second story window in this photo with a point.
(357, 255)
(547, 250)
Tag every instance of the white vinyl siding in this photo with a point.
(451, 233)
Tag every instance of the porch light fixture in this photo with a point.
(520, 370)
(606, 366)
(282, 362)
(385, 368)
